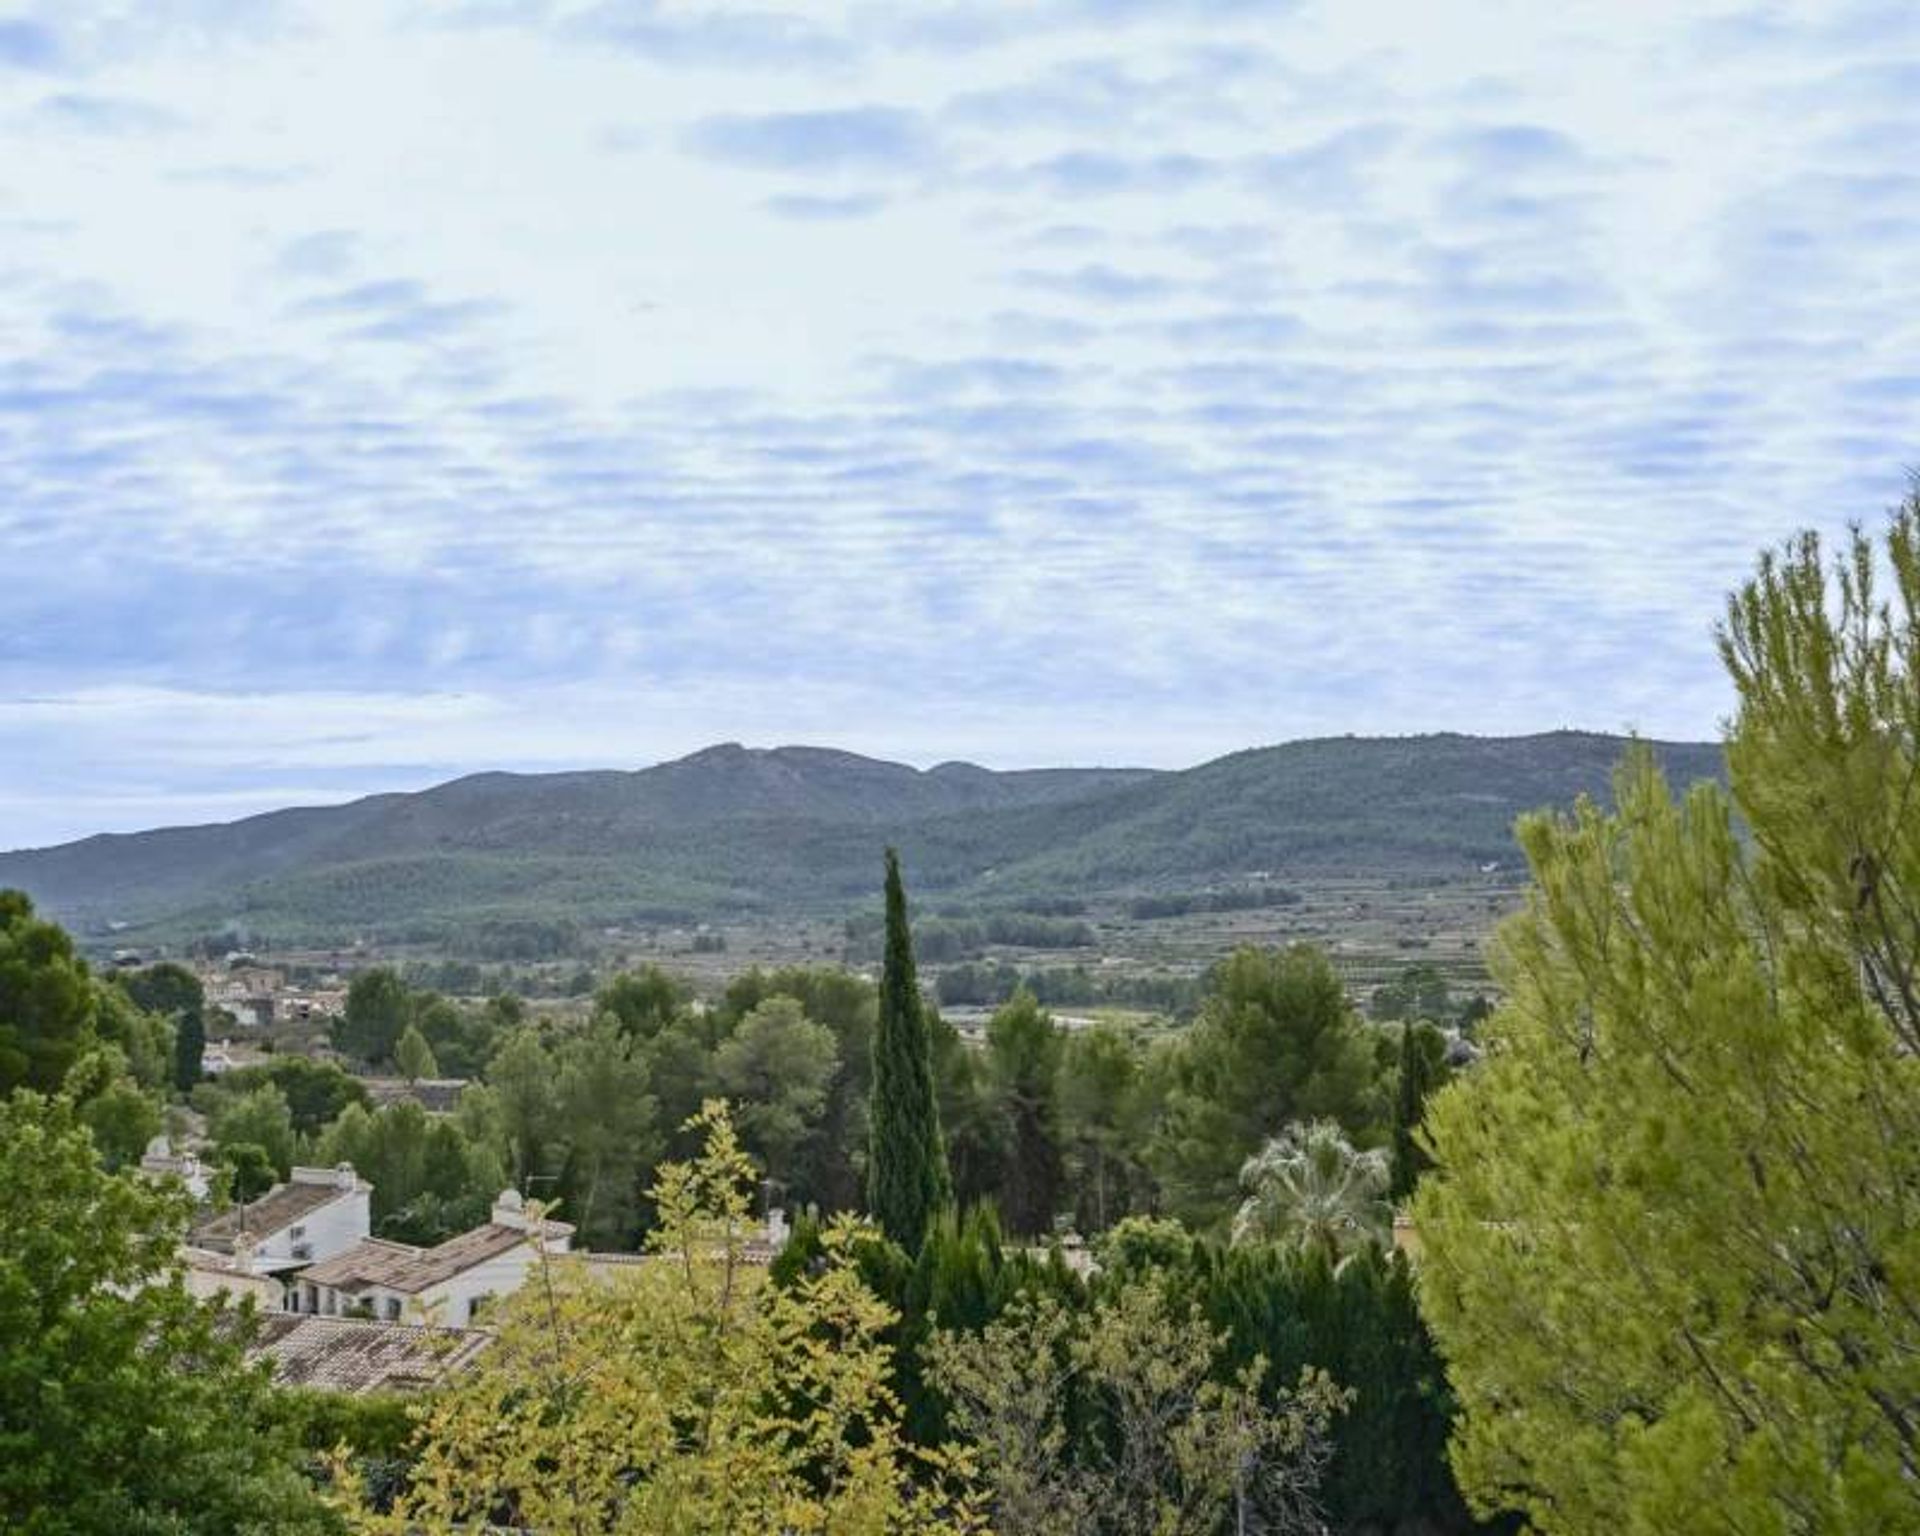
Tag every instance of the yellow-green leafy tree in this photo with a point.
(1116, 1420)
(684, 1396)
(1672, 1245)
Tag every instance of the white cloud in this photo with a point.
(1140, 384)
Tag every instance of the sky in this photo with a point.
(394, 390)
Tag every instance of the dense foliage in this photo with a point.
(1048, 1126)
(1276, 1041)
(1673, 1241)
(126, 1408)
(47, 1000)
(684, 1395)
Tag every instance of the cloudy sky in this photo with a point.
(394, 389)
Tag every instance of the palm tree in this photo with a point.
(1309, 1188)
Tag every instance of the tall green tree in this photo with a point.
(248, 1170)
(316, 1091)
(462, 1036)
(831, 1165)
(776, 1067)
(1023, 1057)
(522, 1093)
(680, 1068)
(175, 993)
(379, 1006)
(189, 1050)
(46, 998)
(144, 1038)
(122, 1116)
(1672, 1243)
(907, 1176)
(126, 1406)
(259, 1117)
(1276, 1041)
(166, 988)
(430, 1179)
(1422, 1069)
(644, 1001)
(971, 1126)
(1104, 1112)
(607, 1123)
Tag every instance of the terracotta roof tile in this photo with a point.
(409, 1270)
(345, 1355)
(281, 1206)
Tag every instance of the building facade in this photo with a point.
(449, 1285)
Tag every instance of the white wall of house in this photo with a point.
(449, 1304)
(454, 1302)
(324, 1231)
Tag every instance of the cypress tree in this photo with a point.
(189, 1048)
(1409, 1161)
(907, 1177)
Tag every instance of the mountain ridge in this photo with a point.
(734, 829)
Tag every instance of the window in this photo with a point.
(393, 1309)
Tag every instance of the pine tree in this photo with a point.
(1670, 1250)
(1023, 1055)
(907, 1177)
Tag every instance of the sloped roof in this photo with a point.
(347, 1355)
(409, 1270)
(371, 1261)
(279, 1207)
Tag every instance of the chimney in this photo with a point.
(509, 1210)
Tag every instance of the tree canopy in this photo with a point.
(379, 1007)
(1672, 1244)
(46, 998)
(126, 1406)
(686, 1395)
(1276, 1041)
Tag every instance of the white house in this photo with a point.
(317, 1214)
(448, 1285)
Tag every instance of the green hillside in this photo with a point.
(733, 831)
